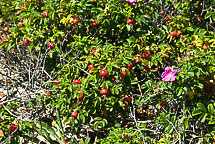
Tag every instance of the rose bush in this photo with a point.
(121, 71)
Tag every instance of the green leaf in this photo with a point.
(37, 47)
(103, 124)
(164, 45)
(213, 15)
(212, 121)
(134, 82)
(34, 139)
(43, 133)
(48, 129)
(190, 29)
(163, 116)
(163, 140)
(115, 65)
(98, 119)
(196, 112)
(173, 119)
(143, 19)
(96, 125)
(87, 140)
(179, 89)
(186, 123)
(208, 15)
(116, 91)
(211, 108)
(60, 125)
(201, 107)
(203, 117)
(128, 27)
(117, 125)
(147, 16)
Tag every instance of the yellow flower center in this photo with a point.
(170, 75)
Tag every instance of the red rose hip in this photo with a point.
(95, 23)
(146, 55)
(139, 61)
(74, 114)
(20, 24)
(123, 74)
(75, 21)
(146, 67)
(129, 99)
(164, 105)
(124, 98)
(26, 41)
(205, 47)
(4, 38)
(45, 13)
(130, 21)
(179, 33)
(90, 67)
(129, 66)
(172, 34)
(113, 80)
(81, 96)
(123, 105)
(56, 81)
(104, 92)
(51, 45)
(162, 12)
(103, 73)
(76, 82)
(13, 128)
(22, 8)
(47, 92)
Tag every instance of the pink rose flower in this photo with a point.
(131, 1)
(169, 75)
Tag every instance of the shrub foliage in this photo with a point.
(113, 71)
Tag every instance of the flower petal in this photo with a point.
(174, 72)
(172, 78)
(166, 79)
(167, 71)
(168, 68)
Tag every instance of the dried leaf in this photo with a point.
(1, 133)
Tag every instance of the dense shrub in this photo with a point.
(119, 71)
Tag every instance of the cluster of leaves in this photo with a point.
(97, 33)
